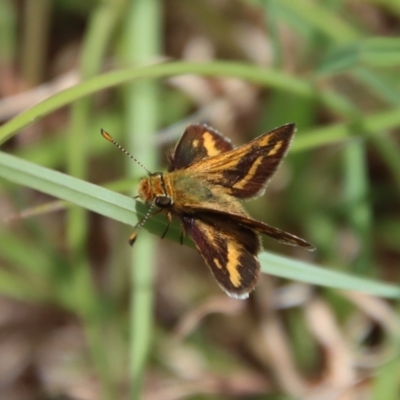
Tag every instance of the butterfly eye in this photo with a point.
(163, 201)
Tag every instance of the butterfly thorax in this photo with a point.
(184, 193)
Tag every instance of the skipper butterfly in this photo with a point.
(203, 187)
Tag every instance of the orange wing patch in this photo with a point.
(264, 140)
(210, 144)
(217, 263)
(250, 175)
(275, 149)
(198, 142)
(232, 265)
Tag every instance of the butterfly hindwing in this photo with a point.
(198, 142)
(244, 172)
(230, 253)
(241, 221)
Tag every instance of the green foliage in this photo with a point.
(343, 74)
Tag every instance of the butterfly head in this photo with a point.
(152, 189)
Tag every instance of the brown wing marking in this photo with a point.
(228, 251)
(261, 227)
(198, 142)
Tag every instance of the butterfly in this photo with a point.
(206, 179)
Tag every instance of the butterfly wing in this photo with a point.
(258, 226)
(198, 142)
(231, 253)
(244, 172)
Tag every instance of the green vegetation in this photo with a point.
(329, 66)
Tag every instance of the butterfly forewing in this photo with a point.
(230, 253)
(198, 142)
(244, 172)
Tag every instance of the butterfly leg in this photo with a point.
(169, 219)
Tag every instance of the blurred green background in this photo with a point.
(83, 315)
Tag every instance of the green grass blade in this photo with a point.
(62, 186)
(258, 75)
(288, 268)
(120, 208)
(372, 52)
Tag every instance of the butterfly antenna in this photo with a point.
(142, 222)
(108, 137)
